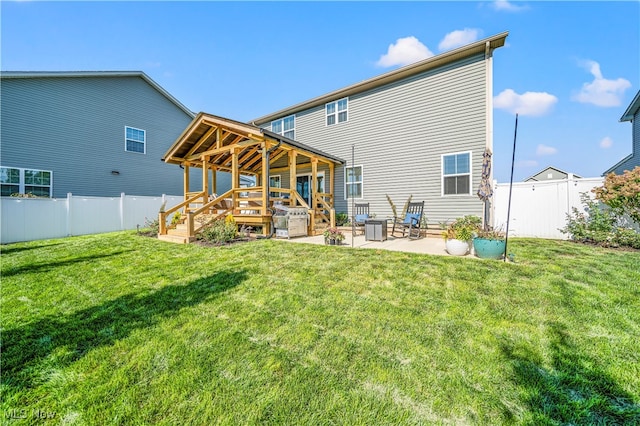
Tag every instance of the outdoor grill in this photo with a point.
(290, 221)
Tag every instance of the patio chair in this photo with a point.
(360, 215)
(410, 223)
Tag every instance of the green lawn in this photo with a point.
(123, 329)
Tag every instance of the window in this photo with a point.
(353, 182)
(337, 111)
(135, 140)
(275, 182)
(25, 181)
(456, 174)
(285, 127)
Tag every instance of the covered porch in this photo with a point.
(285, 171)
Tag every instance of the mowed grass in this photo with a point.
(123, 329)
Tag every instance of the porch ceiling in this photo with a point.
(215, 138)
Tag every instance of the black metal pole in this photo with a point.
(513, 157)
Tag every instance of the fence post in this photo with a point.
(69, 208)
(122, 197)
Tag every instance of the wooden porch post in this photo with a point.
(265, 183)
(314, 182)
(235, 175)
(332, 213)
(214, 172)
(186, 181)
(205, 179)
(292, 176)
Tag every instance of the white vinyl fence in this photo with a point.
(27, 219)
(539, 209)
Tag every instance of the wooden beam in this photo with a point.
(246, 156)
(214, 182)
(205, 180)
(284, 169)
(235, 175)
(219, 137)
(332, 176)
(200, 141)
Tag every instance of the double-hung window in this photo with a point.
(135, 140)
(353, 182)
(285, 127)
(337, 111)
(275, 181)
(15, 180)
(456, 174)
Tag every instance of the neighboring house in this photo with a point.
(416, 131)
(89, 133)
(551, 173)
(632, 160)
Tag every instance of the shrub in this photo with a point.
(463, 228)
(622, 193)
(599, 224)
(153, 226)
(341, 218)
(220, 231)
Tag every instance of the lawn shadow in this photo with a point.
(13, 248)
(27, 348)
(37, 267)
(574, 390)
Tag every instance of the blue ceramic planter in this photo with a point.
(489, 249)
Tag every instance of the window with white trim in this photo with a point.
(456, 174)
(285, 127)
(275, 181)
(337, 111)
(135, 140)
(353, 180)
(14, 180)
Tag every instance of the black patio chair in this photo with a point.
(360, 216)
(411, 221)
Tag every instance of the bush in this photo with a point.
(622, 193)
(153, 227)
(220, 231)
(599, 224)
(341, 218)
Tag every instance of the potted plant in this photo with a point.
(333, 236)
(459, 234)
(489, 244)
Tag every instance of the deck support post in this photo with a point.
(292, 177)
(235, 175)
(205, 180)
(265, 179)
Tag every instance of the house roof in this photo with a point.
(81, 74)
(632, 109)
(480, 46)
(213, 136)
(533, 176)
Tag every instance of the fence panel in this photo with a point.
(33, 219)
(28, 219)
(539, 209)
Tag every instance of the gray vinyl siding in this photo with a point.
(75, 127)
(401, 130)
(634, 159)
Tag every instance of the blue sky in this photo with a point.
(570, 69)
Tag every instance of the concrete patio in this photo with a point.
(430, 244)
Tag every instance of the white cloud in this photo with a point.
(459, 38)
(506, 6)
(405, 51)
(606, 142)
(545, 150)
(529, 103)
(601, 91)
(526, 163)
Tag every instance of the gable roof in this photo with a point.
(632, 109)
(80, 74)
(533, 176)
(202, 138)
(481, 46)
